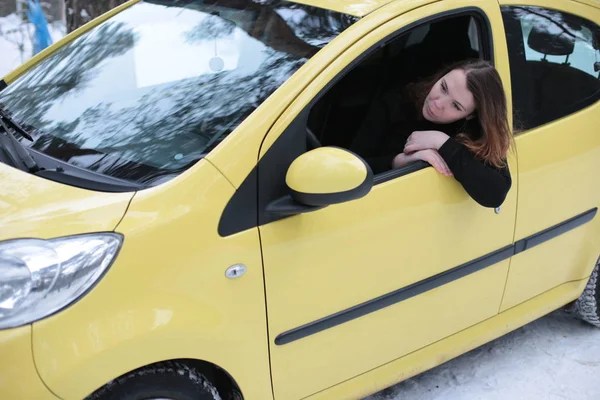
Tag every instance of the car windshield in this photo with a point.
(149, 92)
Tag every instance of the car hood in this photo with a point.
(34, 207)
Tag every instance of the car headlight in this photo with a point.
(40, 277)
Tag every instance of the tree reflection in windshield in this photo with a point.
(149, 92)
(65, 73)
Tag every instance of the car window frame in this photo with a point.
(485, 40)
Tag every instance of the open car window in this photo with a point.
(354, 112)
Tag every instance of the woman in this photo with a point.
(457, 122)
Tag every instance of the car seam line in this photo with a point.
(35, 366)
(125, 212)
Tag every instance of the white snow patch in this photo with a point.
(16, 38)
(556, 357)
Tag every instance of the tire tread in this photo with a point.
(162, 368)
(587, 306)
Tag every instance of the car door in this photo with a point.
(352, 286)
(554, 66)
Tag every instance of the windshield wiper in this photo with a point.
(4, 116)
(16, 151)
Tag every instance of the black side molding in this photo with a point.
(554, 231)
(433, 282)
(3, 85)
(240, 213)
(394, 297)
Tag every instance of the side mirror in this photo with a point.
(328, 175)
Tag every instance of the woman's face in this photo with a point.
(449, 99)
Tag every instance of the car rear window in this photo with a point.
(554, 62)
(149, 92)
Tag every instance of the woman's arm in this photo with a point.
(430, 156)
(486, 184)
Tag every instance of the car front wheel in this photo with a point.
(587, 306)
(166, 380)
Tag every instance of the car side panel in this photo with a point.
(166, 297)
(559, 164)
(18, 376)
(452, 346)
(403, 232)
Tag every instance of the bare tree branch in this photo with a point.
(80, 12)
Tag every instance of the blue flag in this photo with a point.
(42, 34)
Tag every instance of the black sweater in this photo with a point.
(390, 121)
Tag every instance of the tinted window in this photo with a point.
(554, 63)
(147, 93)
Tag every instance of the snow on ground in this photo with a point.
(16, 41)
(553, 358)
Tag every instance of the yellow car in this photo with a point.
(180, 218)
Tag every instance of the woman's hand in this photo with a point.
(435, 160)
(429, 156)
(423, 140)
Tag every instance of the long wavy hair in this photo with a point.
(495, 139)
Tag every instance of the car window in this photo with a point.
(147, 93)
(419, 33)
(474, 34)
(554, 63)
(347, 114)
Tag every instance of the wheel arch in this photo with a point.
(225, 384)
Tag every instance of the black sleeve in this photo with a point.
(382, 163)
(370, 139)
(486, 184)
(370, 133)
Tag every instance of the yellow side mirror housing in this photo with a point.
(328, 175)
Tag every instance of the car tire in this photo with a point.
(587, 306)
(166, 380)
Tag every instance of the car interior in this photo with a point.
(571, 89)
(413, 55)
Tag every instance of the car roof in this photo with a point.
(360, 8)
(357, 8)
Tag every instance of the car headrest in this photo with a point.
(552, 44)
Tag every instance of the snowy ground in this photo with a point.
(15, 41)
(553, 358)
